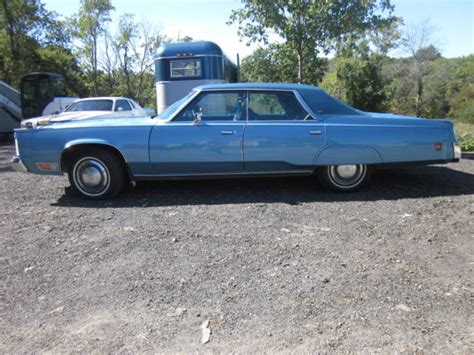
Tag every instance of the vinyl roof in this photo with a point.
(281, 86)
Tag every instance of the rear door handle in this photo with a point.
(315, 133)
(227, 133)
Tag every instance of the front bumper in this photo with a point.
(17, 164)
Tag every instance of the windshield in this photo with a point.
(91, 105)
(172, 108)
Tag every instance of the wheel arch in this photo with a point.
(73, 147)
(348, 154)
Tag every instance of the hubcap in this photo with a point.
(91, 176)
(346, 171)
(347, 176)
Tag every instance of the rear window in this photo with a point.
(324, 104)
(91, 105)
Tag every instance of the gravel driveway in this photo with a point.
(273, 264)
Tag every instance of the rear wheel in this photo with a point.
(96, 174)
(348, 177)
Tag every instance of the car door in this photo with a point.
(205, 138)
(280, 136)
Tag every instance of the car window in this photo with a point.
(215, 106)
(181, 68)
(29, 89)
(122, 105)
(58, 86)
(91, 105)
(324, 104)
(275, 105)
(43, 84)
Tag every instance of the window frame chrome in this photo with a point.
(299, 98)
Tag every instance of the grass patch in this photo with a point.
(465, 134)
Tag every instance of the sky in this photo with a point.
(452, 20)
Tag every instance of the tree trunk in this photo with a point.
(127, 73)
(14, 50)
(94, 64)
(11, 31)
(419, 96)
(300, 67)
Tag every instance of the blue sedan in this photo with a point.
(230, 130)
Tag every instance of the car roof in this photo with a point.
(253, 86)
(104, 98)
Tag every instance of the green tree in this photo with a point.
(33, 39)
(127, 33)
(460, 90)
(24, 26)
(87, 26)
(309, 25)
(357, 81)
(416, 41)
(277, 62)
(126, 63)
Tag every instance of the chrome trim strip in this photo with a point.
(295, 92)
(305, 105)
(251, 173)
(73, 143)
(180, 108)
(456, 151)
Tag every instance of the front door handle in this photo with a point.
(315, 133)
(227, 133)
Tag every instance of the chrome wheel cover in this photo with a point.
(91, 176)
(347, 176)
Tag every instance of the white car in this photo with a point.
(104, 107)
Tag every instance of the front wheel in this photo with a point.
(348, 177)
(96, 174)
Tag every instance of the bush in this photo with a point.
(467, 144)
(465, 133)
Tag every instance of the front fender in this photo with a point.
(348, 154)
(69, 146)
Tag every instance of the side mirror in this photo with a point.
(197, 116)
(119, 109)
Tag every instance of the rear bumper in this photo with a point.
(457, 152)
(17, 164)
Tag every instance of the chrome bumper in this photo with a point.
(457, 151)
(18, 165)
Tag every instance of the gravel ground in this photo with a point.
(276, 265)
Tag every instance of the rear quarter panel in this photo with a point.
(371, 140)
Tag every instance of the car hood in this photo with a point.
(100, 121)
(66, 116)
